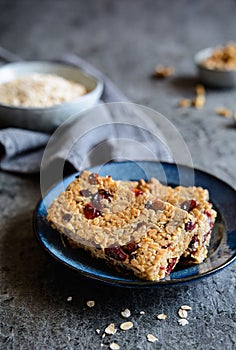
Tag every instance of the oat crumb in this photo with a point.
(110, 329)
(68, 337)
(98, 331)
(163, 71)
(126, 313)
(125, 326)
(200, 89)
(184, 102)
(90, 303)
(234, 116)
(186, 307)
(199, 101)
(69, 299)
(183, 322)
(182, 313)
(161, 316)
(142, 312)
(114, 346)
(151, 338)
(223, 112)
(103, 336)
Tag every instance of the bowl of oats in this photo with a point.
(217, 66)
(41, 95)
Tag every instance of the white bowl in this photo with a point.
(214, 77)
(49, 118)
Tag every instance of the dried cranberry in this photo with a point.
(189, 205)
(189, 226)
(116, 253)
(93, 179)
(170, 266)
(192, 243)
(130, 247)
(66, 217)
(91, 212)
(104, 194)
(136, 191)
(205, 236)
(209, 218)
(85, 193)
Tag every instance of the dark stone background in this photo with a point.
(125, 39)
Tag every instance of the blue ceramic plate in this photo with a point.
(222, 250)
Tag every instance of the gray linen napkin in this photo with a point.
(107, 132)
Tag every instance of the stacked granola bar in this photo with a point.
(129, 224)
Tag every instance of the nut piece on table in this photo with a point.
(224, 112)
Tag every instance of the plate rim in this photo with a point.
(123, 282)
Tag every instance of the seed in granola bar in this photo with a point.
(126, 313)
(66, 217)
(163, 71)
(189, 226)
(114, 346)
(91, 212)
(189, 205)
(125, 326)
(116, 253)
(110, 329)
(157, 205)
(85, 193)
(130, 247)
(151, 338)
(93, 178)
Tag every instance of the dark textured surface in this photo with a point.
(125, 40)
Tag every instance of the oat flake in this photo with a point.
(183, 322)
(186, 307)
(90, 303)
(182, 313)
(151, 338)
(126, 313)
(110, 329)
(114, 346)
(161, 316)
(142, 312)
(69, 298)
(125, 326)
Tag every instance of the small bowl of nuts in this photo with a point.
(217, 66)
(40, 95)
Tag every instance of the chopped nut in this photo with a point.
(224, 112)
(142, 312)
(186, 307)
(114, 346)
(69, 298)
(151, 338)
(98, 331)
(182, 313)
(163, 71)
(161, 316)
(183, 322)
(125, 326)
(184, 102)
(126, 313)
(200, 89)
(110, 329)
(199, 101)
(90, 303)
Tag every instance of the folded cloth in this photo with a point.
(109, 131)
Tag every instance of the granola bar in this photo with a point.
(194, 200)
(124, 225)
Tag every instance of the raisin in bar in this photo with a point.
(123, 225)
(194, 200)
